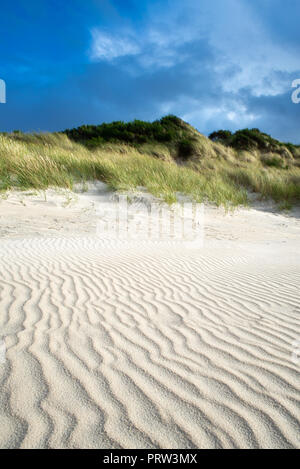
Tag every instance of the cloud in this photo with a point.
(162, 41)
(243, 50)
(106, 46)
(222, 65)
(151, 49)
(247, 54)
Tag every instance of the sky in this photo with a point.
(226, 64)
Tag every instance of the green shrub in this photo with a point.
(222, 136)
(168, 129)
(185, 148)
(274, 160)
(253, 139)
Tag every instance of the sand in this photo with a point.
(147, 344)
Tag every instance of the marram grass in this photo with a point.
(41, 160)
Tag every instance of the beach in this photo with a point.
(147, 344)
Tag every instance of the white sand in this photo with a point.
(147, 345)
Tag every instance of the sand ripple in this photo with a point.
(146, 346)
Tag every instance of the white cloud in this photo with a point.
(108, 47)
(154, 48)
(228, 38)
(236, 113)
(159, 44)
(248, 56)
(243, 53)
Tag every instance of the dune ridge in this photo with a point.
(144, 346)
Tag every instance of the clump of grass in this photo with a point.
(156, 150)
(271, 159)
(285, 206)
(165, 180)
(271, 183)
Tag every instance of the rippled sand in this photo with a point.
(147, 345)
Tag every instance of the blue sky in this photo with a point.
(222, 64)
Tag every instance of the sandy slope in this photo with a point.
(146, 345)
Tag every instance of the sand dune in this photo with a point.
(142, 345)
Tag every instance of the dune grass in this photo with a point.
(216, 174)
(281, 186)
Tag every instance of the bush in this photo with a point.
(167, 129)
(222, 136)
(250, 139)
(185, 148)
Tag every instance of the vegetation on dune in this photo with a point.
(166, 157)
(167, 129)
(28, 161)
(254, 139)
(170, 131)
